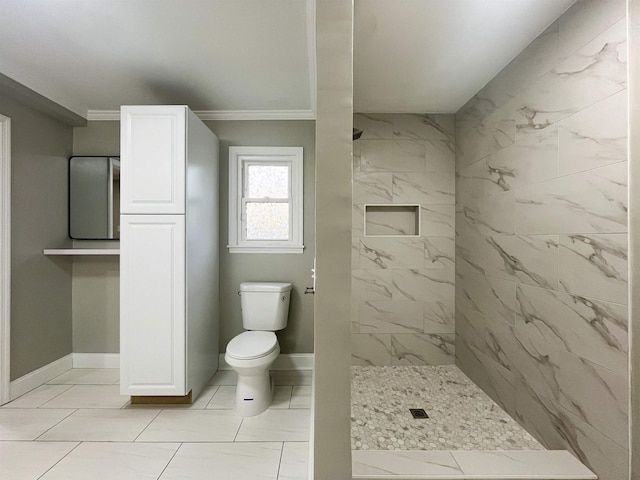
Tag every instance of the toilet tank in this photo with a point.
(265, 305)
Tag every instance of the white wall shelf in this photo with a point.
(81, 251)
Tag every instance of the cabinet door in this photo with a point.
(152, 305)
(153, 159)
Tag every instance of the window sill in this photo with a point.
(270, 249)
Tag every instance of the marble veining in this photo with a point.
(462, 417)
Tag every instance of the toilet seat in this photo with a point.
(251, 345)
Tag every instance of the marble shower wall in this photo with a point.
(403, 287)
(541, 237)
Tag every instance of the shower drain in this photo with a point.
(418, 413)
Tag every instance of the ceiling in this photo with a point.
(256, 58)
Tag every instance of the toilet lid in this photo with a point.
(249, 345)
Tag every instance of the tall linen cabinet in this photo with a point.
(169, 261)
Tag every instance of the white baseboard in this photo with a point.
(32, 380)
(96, 360)
(291, 361)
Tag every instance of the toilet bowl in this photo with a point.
(265, 308)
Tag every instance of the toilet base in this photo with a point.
(253, 394)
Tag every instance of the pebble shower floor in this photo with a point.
(461, 416)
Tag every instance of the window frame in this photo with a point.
(239, 157)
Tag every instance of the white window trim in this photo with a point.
(238, 156)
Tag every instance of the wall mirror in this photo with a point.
(94, 198)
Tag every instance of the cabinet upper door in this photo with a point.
(152, 172)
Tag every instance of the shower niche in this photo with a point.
(392, 220)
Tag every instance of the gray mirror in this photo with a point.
(94, 198)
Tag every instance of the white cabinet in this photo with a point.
(152, 304)
(153, 160)
(168, 252)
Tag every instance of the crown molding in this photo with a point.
(110, 115)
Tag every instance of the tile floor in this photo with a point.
(78, 426)
(461, 416)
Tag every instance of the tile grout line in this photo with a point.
(238, 431)
(63, 457)
(170, 460)
(147, 426)
(56, 424)
(280, 460)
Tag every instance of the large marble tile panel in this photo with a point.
(124, 461)
(291, 425)
(507, 464)
(478, 138)
(423, 126)
(596, 71)
(439, 252)
(391, 253)
(423, 349)
(562, 430)
(494, 297)
(592, 329)
(369, 349)
(103, 424)
(374, 125)
(532, 159)
(434, 188)
(392, 156)
(371, 284)
(594, 394)
(586, 20)
(88, 376)
(29, 424)
(29, 460)
(471, 253)
(192, 426)
(225, 461)
(595, 266)
(486, 335)
(294, 463)
(471, 182)
(372, 187)
(403, 464)
(439, 317)
(440, 156)
(355, 252)
(37, 397)
(495, 380)
(89, 396)
(437, 220)
(391, 317)
(424, 285)
(530, 259)
(595, 136)
(540, 56)
(588, 202)
(357, 220)
(488, 215)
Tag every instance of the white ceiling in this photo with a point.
(255, 58)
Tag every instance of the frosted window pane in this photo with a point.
(267, 181)
(267, 221)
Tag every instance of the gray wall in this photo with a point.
(541, 225)
(40, 286)
(402, 287)
(294, 268)
(96, 280)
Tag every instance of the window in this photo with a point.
(265, 200)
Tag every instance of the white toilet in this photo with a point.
(265, 309)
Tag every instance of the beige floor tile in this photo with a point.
(224, 377)
(88, 376)
(103, 424)
(301, 397)
(111, 461)
(28, 424)
(37, 397)
(224, 398)
(281, 396)
(192, 426)
(225, 461)
(27, 460)
(89, 396)
(276, 426)
(294, 463)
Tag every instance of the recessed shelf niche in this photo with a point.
(392, 220)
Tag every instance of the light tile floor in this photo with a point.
(78, 426)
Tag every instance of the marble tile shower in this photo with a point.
(541, 237)
(403, 286)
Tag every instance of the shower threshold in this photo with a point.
(466, 435)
